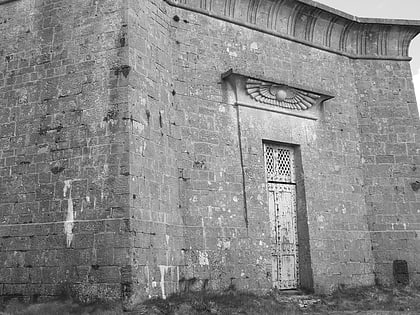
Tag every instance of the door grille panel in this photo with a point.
(279, 164)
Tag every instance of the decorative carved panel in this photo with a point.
(277, 97)
(280, 95)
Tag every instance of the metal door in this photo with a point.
(279, 164)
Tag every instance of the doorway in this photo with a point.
(281, 185)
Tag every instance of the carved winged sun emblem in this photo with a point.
(280, 95)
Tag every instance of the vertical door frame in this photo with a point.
(280, 170)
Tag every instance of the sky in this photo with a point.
(402, 9)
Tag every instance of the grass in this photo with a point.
(375, 298)
(237, 303)
(59, 308)
(228, 303)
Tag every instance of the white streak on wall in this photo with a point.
(204, 233)
(220, 220)
(106, 170)
(177, 279)
(163, 270)
(67, 186)
(203, 257)
(147, 287)
(69, 223)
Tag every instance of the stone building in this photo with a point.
(151, 146)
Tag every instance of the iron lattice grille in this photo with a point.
(279, 163)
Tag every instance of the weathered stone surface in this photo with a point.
(389, 126)
(64, 203)
(128, 168)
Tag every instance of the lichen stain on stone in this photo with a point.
(138, 126)
(69, 223)
(199, 164)
(111, 116)
(124, 69)
(194, 199)
(43, 149)
(123, 41)
(223, 244)
(203, 258)
(231, 53)
(57, 169)
(85, 201)
(415, 186)
(49, 129)
(321, 220)
(254, 46)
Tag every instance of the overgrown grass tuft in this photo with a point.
(216, 303)
(375, 298)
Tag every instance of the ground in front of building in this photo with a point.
(369, 300)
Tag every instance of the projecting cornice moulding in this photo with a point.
(6, 1)
(314, 24)
(277, 97)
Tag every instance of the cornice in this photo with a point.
(6, 1)
(314, 24)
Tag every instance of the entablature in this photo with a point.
(314, 24)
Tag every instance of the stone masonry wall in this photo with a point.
(220, 248)
(389, 127)
(63, 149)
(154, 142)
